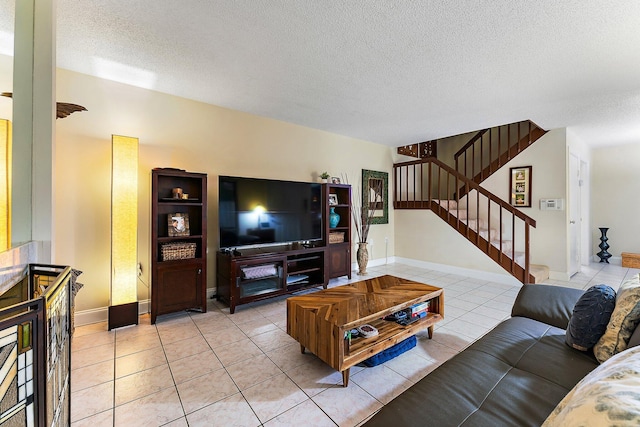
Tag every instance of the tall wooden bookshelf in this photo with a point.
(339, 237)
(178, 241)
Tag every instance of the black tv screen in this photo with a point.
(254, 211)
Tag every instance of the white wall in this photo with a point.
(175, 132)
(615, 200)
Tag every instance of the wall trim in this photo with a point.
(97, 315)
(86, 317)
(615, 260)
(506, 279)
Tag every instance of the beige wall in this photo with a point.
(175, 132)
(548, 158)
(615, 200)
(423, 237)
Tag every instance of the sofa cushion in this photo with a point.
(546, 303)
(607, 396)
(624, 320)
(522, 359)
(590, 317)
(635, 338)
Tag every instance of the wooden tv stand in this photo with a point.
(259, 273)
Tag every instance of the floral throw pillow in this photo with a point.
(624, 320)
(608, 396)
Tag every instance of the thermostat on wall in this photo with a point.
(551, 204)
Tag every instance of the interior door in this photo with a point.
(574, 214)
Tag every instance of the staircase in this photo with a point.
(490, 149)
(491, 224)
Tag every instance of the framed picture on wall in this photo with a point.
(375, 200)
(520, 187)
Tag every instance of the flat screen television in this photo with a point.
(261, 212)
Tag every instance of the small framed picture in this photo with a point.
(178, 224)
(335, 180)
(333, 199)
(520, 186)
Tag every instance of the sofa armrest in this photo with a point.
(549, 304)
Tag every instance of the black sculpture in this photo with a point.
(603, 254)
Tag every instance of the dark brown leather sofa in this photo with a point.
(513, 376)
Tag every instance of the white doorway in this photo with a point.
(575, 221)
(585, 214)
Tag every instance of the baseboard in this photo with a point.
(97, 315)
(374, 262)
(615, 260)
(506, 279)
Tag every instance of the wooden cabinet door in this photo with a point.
(179, 287)
(339, 260)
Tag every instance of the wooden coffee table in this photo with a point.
(319, 320)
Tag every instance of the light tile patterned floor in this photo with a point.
(194, 369)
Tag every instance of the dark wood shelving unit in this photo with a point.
(339, 253)
(236, 287)
(319, 263)
(178, 284)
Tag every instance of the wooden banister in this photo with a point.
(420, 184)
(487, 150)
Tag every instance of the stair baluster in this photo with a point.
(410, 181)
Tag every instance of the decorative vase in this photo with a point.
(603, 254)
(363, 258)
(334, 218)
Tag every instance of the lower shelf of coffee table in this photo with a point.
(389, 334)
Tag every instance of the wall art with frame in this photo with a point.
(375, 186)
(520, 187)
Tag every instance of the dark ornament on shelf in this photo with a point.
(603, 254)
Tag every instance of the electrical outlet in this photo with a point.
(139, 269)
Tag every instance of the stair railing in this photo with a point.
(489, 149)
(429, 184)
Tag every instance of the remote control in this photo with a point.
(408, 321)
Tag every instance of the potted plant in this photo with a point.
(324, 176)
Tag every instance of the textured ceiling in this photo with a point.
(388, 71)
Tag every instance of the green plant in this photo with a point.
(324, 175)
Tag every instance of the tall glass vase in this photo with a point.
(362, 256)
(603, 254)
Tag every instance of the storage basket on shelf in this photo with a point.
(178, 250)
(336, 237)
